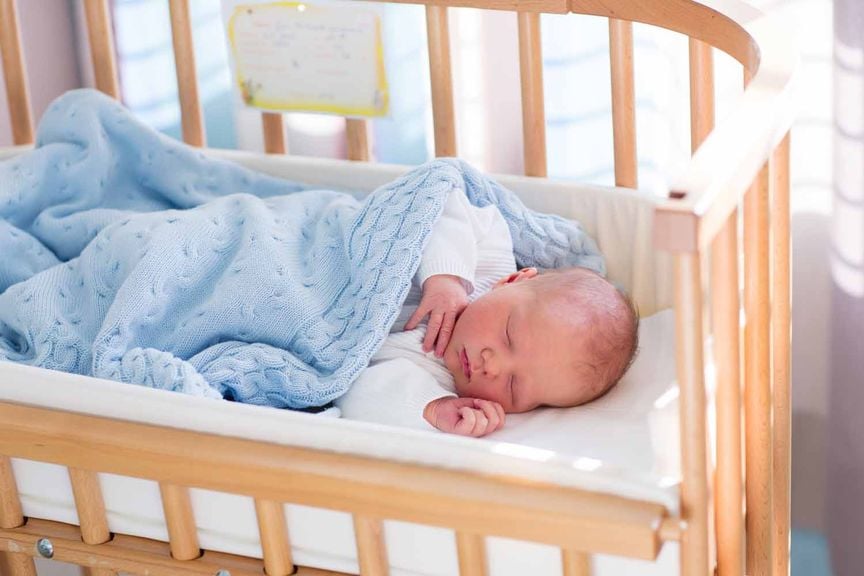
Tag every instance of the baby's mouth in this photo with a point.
(466, 365)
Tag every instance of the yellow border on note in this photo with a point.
(311, 106)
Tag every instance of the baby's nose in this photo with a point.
(491, 363)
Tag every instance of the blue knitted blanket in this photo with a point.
(129, 256)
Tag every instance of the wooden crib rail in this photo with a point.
(472, 503)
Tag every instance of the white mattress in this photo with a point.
(625, 443)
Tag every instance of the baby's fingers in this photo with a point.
(494, 413)
(435, 321)
(415, 319)
(445, 333)
(472, 422)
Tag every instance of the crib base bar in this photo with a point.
(121, 554)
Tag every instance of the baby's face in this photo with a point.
(509, 348)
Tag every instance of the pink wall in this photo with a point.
(50, 54)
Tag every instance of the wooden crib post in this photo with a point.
(273, 125)
(472, 554)
(533, 114)
(623, 102)
(274, 538)
(102, 46)
(371, 549)
(694, 440)
(757, 378)
(90, 506)
(180, 520)
(443, 112)
(725, 310)
(781, 335)
(11, 516)
(575, 563)
(728, 492)
(187, 82)
(357, 133)
(17, 92)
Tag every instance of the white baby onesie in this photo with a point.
(466, 241)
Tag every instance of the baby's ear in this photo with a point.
(523, 274)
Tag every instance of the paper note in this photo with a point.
(312, 57)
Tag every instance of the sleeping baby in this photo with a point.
(493, 340)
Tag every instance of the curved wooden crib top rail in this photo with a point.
(746, 156)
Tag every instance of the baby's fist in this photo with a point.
(465, 416)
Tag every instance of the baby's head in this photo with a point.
(561, 338)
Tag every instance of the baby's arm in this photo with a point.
(392, 392)
(446, 272)
(400, 393)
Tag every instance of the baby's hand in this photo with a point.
(464, 416)
(444, 299)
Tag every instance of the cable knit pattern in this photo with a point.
(127, 255)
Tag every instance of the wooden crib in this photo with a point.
(741, 165)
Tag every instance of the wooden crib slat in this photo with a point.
(11, 515)
(12, 564)
(694, 457)
(371, 549)
(757, 377)
(274, 538)
(180, 520)
(781, 335)
(575, 563)
(101, 37)
(443, 111)
(187, 83)
(729, 517)
(472, 554)
(701, 92)
(358, 139)
(533, 111)
(623, 102)
(90, 506)
(17, 91)
(273, 127)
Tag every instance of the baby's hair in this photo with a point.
(613, 319)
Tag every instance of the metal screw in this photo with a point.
(223, 573)
(45, 548)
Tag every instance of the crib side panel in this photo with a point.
(369, 488)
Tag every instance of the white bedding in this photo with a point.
(625, 443)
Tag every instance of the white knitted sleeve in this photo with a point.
(452, 245)
(393, 392)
